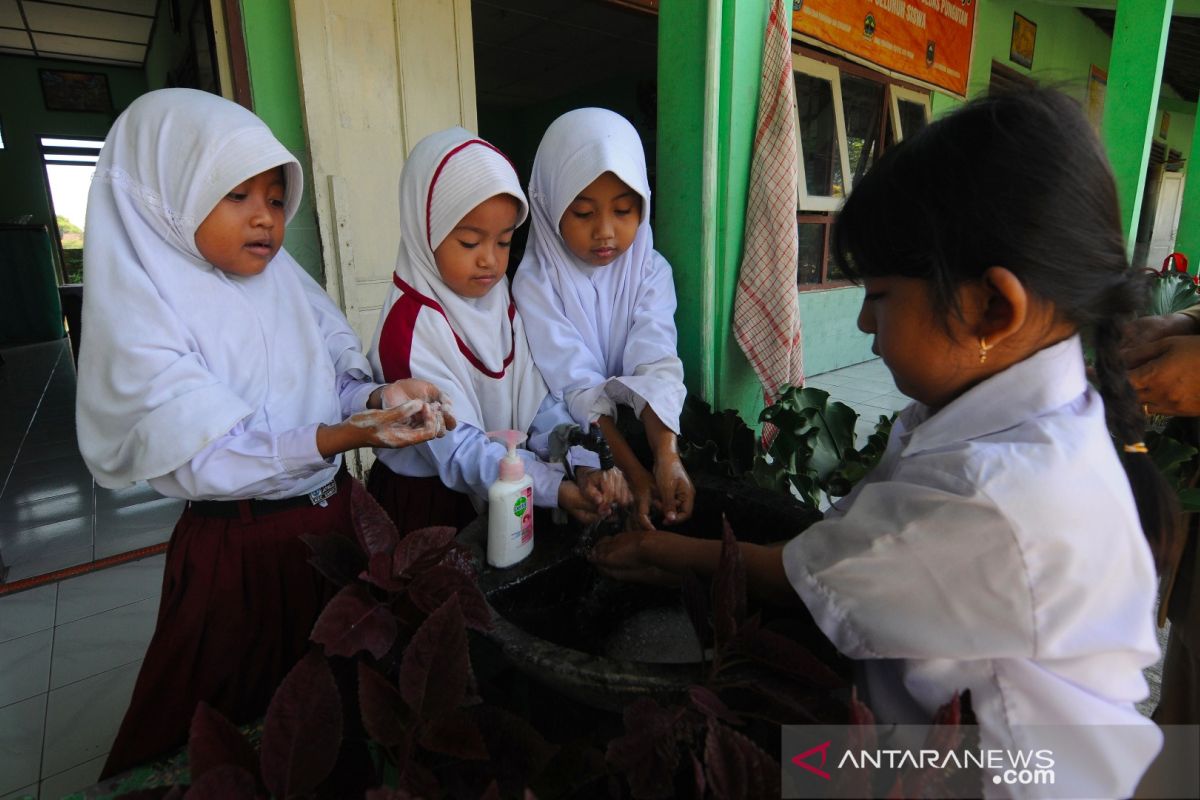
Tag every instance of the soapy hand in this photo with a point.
(400, 392)
(412, 422)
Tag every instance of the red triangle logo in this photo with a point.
(801, 760)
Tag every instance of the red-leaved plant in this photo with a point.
(703, 747)
(402, 613)
(760, 676)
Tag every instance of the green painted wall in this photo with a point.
(25, 118)
(1188, 239)
(275, 88)
(831, 335)
(706, 252)
(1068, 43)
(681, 36)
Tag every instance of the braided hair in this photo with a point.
(1018, 180)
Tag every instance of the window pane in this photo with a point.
(862, 101)
(912, 117)
(812, 252)
(818, 136)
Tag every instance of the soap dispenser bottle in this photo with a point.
(510, 507)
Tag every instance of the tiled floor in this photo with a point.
(70, 650)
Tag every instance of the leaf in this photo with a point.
(434, 586)
(518, 752)
(492, 793)
(352, 621)
(374, 528)
(421, 544)
(786, 656)
(224, 782)
(213, 741)
(454, 734)
(728, 590)
(736, 767)
(336, 557)
(384, 714)
(1189, 500)
(460, 558)
(707, 703)
(647, 754)
(433, 672)
(303, 729)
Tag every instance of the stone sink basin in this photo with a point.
(599, 641)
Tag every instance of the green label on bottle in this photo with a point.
(519, 507)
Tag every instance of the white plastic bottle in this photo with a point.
(510, 507)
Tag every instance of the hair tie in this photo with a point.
(1136, 447)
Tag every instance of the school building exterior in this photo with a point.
(351, 85)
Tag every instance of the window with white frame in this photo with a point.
(846, 116)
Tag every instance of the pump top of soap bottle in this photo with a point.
(512, 468)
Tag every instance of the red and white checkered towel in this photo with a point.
(766, 320)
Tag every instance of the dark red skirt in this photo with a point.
(415, 503)
(239, 600)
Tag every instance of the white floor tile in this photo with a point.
(894, 402)
(110, 588)
(73, 780)
(25, 667)
(100, 642)
(82, 718)
(27, 612)
(21, 726)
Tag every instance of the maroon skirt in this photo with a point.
(415, 503)
(238, 603)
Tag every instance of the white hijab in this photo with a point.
(175, 352)
(580, 317)
(447, 175)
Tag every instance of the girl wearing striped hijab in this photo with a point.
(450, 319)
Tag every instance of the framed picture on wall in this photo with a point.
(63, 90)
(1024, 36)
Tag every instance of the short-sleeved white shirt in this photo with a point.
(997, 548)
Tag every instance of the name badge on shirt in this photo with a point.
(318, 496)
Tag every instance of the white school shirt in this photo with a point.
(997, 548)
(259, 457)
(464, 458)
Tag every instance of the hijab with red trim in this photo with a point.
(474, 349)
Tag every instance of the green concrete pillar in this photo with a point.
(1131, 105)
(1187, 241)
(275, 88)
(709, 64)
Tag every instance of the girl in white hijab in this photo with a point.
(599, 301)
(450, 319)
(213, 367)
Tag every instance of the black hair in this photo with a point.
(1018, 180)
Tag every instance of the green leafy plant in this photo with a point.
(813, 451)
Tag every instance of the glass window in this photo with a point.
(863, 101)
(818, 136)
(847, 115)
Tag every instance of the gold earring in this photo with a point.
(983, 349)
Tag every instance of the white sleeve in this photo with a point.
(345, 349)
(245, 464)
(653, 371)
(563, 359)
(466, 461)
(914, 571)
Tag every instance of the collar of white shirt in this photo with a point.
(1049, 379)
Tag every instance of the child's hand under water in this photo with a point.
(594, 494)
(624, 558)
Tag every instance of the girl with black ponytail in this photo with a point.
(998, 546)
